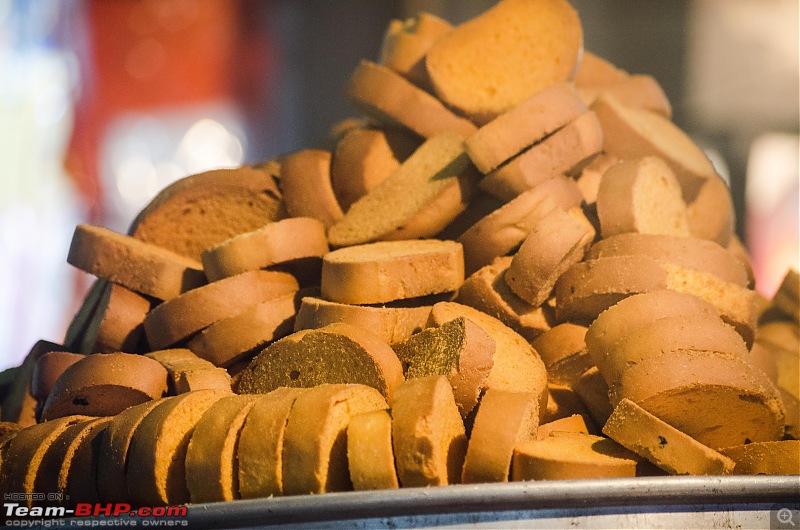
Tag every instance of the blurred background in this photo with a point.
(103, 103)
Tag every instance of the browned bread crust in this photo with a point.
(390, 98)
(141, 267)
(105, 385)
(199, 211)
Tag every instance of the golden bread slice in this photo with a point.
(370, 455)
(336, 353)
(427, 433)
(315, 440)
(498, 59)
(665, 446)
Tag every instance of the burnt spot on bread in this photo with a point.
(294, 375)
(662, 441)
(80, 401)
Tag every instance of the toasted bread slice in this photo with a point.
(337, 353)
(665, 446)
(391, 99)
(380, 272)
(390, 210)
(314, 445)
(199, 211)
(493, 62)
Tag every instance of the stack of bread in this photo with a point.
(512, 266)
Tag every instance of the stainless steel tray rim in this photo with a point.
(512, 496)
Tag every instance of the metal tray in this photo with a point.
(646, 502)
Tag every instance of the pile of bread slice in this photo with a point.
(512, 266)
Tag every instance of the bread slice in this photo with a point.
(342, 128)
(592, 389)
(564, 353)
(177, 319)
(259, 452)
(442, 210)
(641, 195)
(105, 385)
(740, 252)
(391, 323)
(498, 59)
(117, 322)
(594, 71)
(275, 243)
(524, 125)
(364, 157)
(630, 133)
(671, 333)
(559, 240)
(487, 290)
(141, 267)
(48, 369)
(561, 341)
(574, 423)
(315, 441)
(636, 91)
(711, 213)
(737, 306)
(406, 43)
(199, 211)
(634, 312)
(504, 229)
(427, 433)
(517, 367)
(591, 174)
(112, 464)
(572, 456)
(337, 353)
(739, 402)
(561, 152)
(690, 252)
(380, 272)
(156, 474)
(59, 469)
(458, 349)
(504, 419)
(193, 379)
(229, 340)
(562, 402)
(211, 465)
(306, 186)
(370, 456)
(25, 452)
(665, 446)
(391, 99)
(188, 372)
(390, 207)
(766, 458)
(81, 473)
(588, 288)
